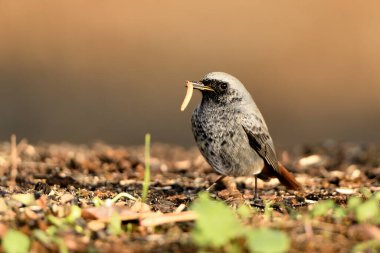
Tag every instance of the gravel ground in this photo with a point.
(63, 176)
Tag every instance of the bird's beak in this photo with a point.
(199, 86)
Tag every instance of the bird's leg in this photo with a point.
(256, 196)
(257, 202)
(215, 183)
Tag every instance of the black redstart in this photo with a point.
(231, 132)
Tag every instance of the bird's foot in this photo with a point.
(258, 202)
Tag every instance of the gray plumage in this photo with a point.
(229, 129)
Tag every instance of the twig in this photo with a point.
(14, 161)
(168, 218)
(308, 229)
(121, 195)
(180, 208)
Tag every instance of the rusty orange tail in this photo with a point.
(286, 178)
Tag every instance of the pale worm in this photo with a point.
(188, 96)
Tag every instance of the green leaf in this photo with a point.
(268, 210)
(376, 195)
(266, 240)
(114, 227)
(339, 213)
(15, 242)
(41, 236)
(353, 202)
(233, 248)
(55, 220)
(367, 246)
(216, 224)
(75, 213)
(244, 211)
(52, 230)
(368, 211)
(62, 248)
(323, 207)
(97, 201)
(366, 192)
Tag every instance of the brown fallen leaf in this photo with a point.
(74, 243)
(176, 197)
(365, 232)
(104, 213)
(42, 202)
(96, 225)
(67, 197)
(140, 207)
(31, 214)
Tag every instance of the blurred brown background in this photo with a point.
(81, 71)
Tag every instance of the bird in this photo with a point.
(231, 132)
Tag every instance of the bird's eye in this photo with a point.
(223, 86)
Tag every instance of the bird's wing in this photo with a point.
(260, 140)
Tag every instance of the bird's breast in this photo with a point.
(223, 142)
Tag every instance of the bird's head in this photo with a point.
(221, 88)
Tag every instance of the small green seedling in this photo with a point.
(216, 225)
(114, 227)
(147, 168)
(368, 212)
(265, 240)
(322, 208)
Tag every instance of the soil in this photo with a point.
(62, 175)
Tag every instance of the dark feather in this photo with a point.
(262, 143)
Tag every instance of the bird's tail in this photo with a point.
(286, 178)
